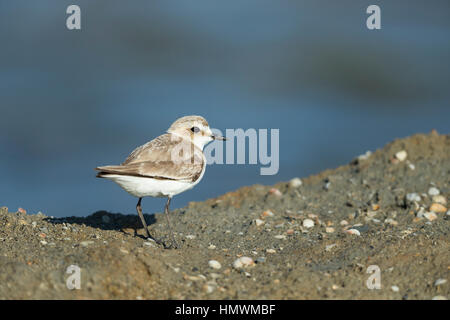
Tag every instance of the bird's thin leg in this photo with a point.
(166, 210)
(139, 210)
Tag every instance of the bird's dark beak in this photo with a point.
(218, 138)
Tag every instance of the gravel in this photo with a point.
(368, 196)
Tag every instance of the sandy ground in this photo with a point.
(310, 241)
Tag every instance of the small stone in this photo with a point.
(243, 262)
(261, 260)
(295, 183)
(365, 156)
(148, 244)
(280, 237)
(267, 213)
(211, 247)
(308, 223)
(353, 231)
(330, 246)
(290, 231)
(271, 251)
(334, 287)
(440, 281)
(433, 191)
(375, 207)
(275, 192)
(34, 224)
(440, 199)
(329, 229)
(21, 210)
(430, 216)
(22, 222)
(214, 264)
(411, 166)
(190, 236)
(43, 242)
(125, 251)
(343, 223)
(208, 288)
(413, 197)
(390, 221)
(395, 288)
(194, 278)
(86, 243)
(401, 155)
(259, 222)
(438, 208)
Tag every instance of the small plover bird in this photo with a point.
(165, 166)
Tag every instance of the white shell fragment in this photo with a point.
(433, 191)
(308, 223)
(353, 231)
(401, 155)
(295, 183)
(214, 264)
(243, 262)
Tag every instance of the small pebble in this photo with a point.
(330, 246)
(353, 231)
(208, 288)
(343, 223)
(290, 231)
(365, 156)
(211, 247)
(43, 242)
(390, 221)
(21, 210)
(190, 236)
(271, 251)
(261, 260)
(280, 237)
(243, 262)
(259, 222)
(395, 288)
(401, 155)
(430, 216)
(295, 183)
(329, 229)
(275, 192)
(267, 213)
(438, 208)
(413, 197)
(438, 282)
(308, 223)
(440, 199)
(433, 191)
(214, 264)
(86, 243)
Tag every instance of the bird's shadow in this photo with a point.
(105, 220)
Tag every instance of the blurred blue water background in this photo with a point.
(72, 100)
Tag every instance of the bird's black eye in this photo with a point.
(195, 129)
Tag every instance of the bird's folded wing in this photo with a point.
(166, 157)
(158, 170)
